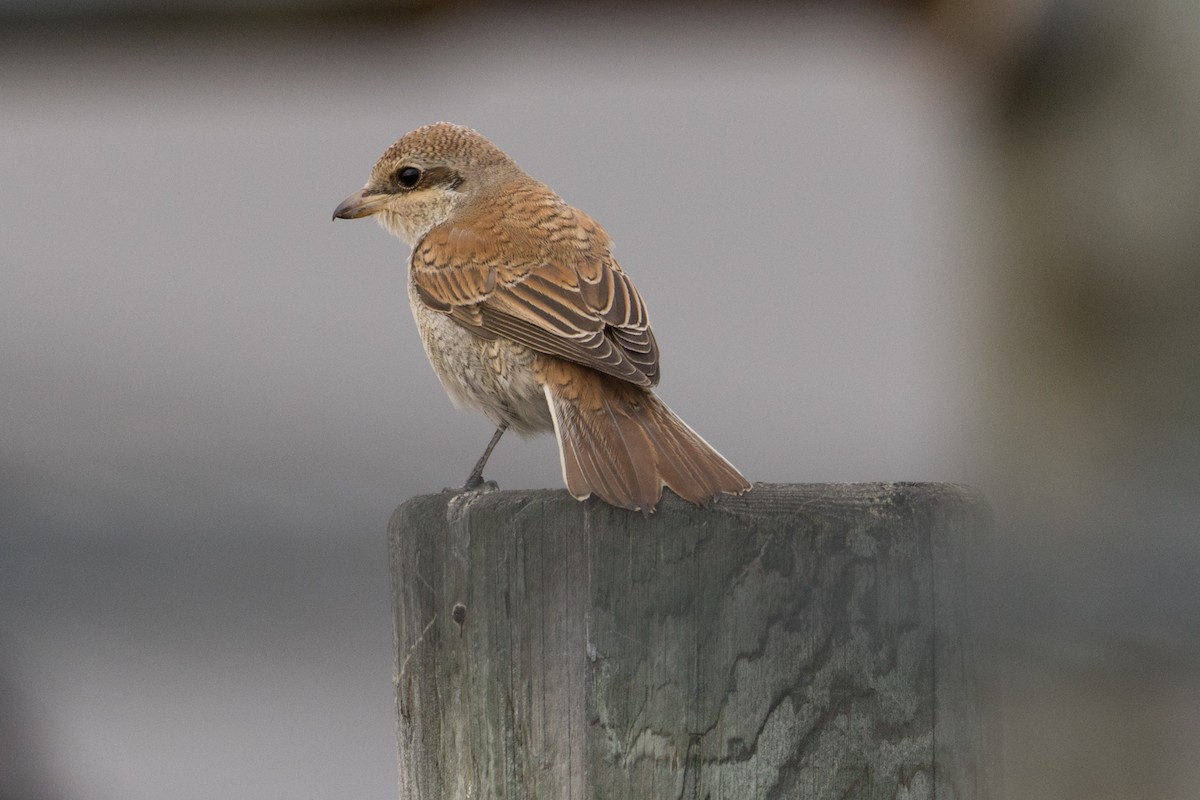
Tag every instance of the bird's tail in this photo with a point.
(622, 443)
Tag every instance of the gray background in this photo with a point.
(212, 396)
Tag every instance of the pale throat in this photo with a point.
(418, 215)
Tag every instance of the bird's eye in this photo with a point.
(407, 176)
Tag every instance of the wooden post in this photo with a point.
(800, 641)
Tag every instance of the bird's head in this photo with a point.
(424, 177)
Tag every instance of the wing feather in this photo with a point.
(564, 296)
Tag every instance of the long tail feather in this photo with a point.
(623, 444)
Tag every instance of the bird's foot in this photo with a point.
(479, 485)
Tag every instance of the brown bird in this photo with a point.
(526, 316)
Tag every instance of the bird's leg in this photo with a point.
(476, 478)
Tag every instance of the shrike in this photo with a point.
(526, 316)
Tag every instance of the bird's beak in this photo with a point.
(362, 203)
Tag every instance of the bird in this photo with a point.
(526, 316)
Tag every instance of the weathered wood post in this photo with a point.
(801, 641)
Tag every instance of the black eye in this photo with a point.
(407, 176)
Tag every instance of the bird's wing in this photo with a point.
(572, 301)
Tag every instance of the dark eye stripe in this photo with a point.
(443, 176)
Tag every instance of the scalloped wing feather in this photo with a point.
(575, 302)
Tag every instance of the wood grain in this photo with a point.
(800, 641)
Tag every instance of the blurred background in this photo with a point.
(879, 241)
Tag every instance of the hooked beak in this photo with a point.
(362, 203)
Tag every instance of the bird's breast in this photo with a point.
(492, 376)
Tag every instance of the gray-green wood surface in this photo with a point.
(800, 641)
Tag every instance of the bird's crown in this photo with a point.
(442, 143)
